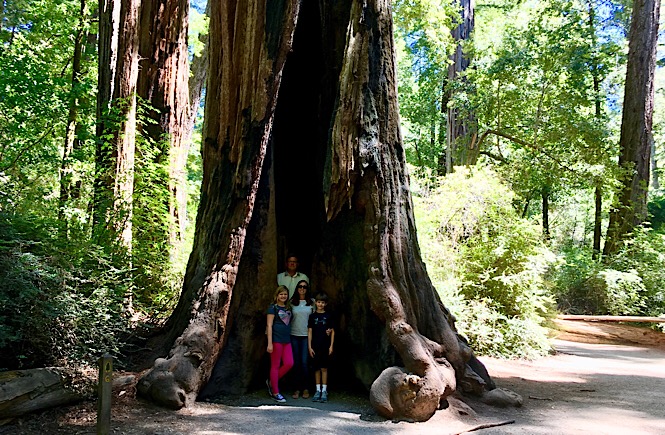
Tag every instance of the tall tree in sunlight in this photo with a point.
(461, 125)
(75, 128)
(630, 205)
(116, 113)
(539, 99)
(163, 85)
(423, 43)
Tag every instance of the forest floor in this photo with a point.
(603, 379)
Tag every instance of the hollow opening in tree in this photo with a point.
(296, 223)
(298, 145)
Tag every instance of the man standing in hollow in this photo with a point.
(291, 276)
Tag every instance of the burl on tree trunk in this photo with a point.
(303, 153)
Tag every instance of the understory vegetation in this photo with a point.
(504, 282)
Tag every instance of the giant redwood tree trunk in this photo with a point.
(303, 153)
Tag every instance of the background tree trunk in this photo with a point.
(598, 189)
(118, 73)
(630, 206)
(107, 52)
(197, 80)
(597, 220)
(460, 127)
(545, 196)
(655, 183)
(333, 188)
(162, 82)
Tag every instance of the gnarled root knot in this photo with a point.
(399, 395)
(160, 384)
(174, 382)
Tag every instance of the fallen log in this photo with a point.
(608, 333)
(25, 391)
(590, 318)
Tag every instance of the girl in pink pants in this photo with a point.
(279, 341)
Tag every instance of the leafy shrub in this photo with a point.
(487, 262)
(616, 292)
(656, 207)
(628, 283)
(644, 256)
(494, 334)
(54, 312)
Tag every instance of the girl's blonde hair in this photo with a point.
(282, 289)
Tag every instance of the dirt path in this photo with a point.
(586, 388)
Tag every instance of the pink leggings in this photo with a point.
(280, 352)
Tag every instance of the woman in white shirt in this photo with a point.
(302, 306)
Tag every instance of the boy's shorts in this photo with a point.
(321, 359)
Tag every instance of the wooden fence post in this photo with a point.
(104, 394)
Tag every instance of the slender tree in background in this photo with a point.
(423, 44)
(322, 125)
(595, 74)
(655, 183)
(630, 206)
(461, 125)
(73, 131)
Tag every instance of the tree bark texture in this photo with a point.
(124, 136)
(630, 206)
(460, 126)
(162, 82)
(333, 188)
(107, 51)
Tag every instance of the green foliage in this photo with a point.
(643, 254)
(536, 85)
(491, 261)
(55, 311)
(198, 26)
(628, 283)
(423, 41)
(620, 291)
(494, 334)
(656, 207)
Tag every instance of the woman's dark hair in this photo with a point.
(295, 299)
